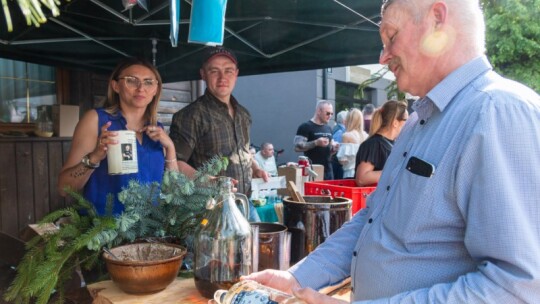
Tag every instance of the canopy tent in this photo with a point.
(267, 36)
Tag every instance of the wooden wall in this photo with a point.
(29, 169)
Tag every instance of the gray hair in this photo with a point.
(322, 103)
(341, 116)
(467, 13)
(368, 109)
(265, 145)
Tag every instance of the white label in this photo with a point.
(122, 157)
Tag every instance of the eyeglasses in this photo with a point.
(329, 113)
(134, 82)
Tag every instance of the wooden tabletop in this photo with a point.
(181, 291)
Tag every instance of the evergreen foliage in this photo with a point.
(172, 209)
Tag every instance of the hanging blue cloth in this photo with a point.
(207, 22)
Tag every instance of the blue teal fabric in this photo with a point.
(468, 234)
(151, 162)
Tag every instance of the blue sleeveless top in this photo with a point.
(151, 161)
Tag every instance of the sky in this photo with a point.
(374, 68)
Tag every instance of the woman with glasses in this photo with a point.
(386, 123)
(132, 102)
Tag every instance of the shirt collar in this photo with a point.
(447, 89)
(443, 93)
(118, 116)
(233, 101)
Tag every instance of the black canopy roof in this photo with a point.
(267, 36)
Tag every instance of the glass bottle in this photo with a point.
(44, 124)
(223, 243)
(251, 292)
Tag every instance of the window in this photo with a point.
(23, 87)
(347, 96)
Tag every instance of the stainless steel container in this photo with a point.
(312, 222)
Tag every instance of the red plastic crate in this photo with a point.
(340, 188)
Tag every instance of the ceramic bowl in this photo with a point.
(144, 268)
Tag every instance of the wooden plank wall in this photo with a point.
(29, 169)
(174, 97)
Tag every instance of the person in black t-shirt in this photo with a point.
(314, 138)
(386, 124)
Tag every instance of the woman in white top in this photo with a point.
(352, 138)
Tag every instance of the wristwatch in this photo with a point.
(86, 162)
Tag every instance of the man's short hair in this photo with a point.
(368, 109)
(265, 145)
(322, 102)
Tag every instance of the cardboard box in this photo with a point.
(33, 230)
(319, 169)
(291, 174)
(295, 174)
(65, 118)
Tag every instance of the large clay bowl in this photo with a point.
(144, 268)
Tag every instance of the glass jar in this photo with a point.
(251, 292)
(44, 124)
(223, 242)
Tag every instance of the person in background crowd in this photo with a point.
(367, 112)
(386, 124)
(339, 128)
(266, 160)
(337, 134)
(314, 138)
(252, 151)
(132, 102)
(454, 218)
(216, 124)
(352, 139)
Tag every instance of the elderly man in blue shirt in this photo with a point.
(456, 214)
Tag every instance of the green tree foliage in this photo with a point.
(513, 39)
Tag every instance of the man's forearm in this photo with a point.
(186, 169)
(301, 144)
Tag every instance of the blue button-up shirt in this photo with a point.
(470, 233)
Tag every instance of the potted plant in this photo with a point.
(172, 209)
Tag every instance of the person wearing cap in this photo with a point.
(216, 124)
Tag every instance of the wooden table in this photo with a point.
(181, 291)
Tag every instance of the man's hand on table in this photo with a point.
(277, 279)
(286, 282)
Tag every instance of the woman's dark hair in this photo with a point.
(386, 114)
